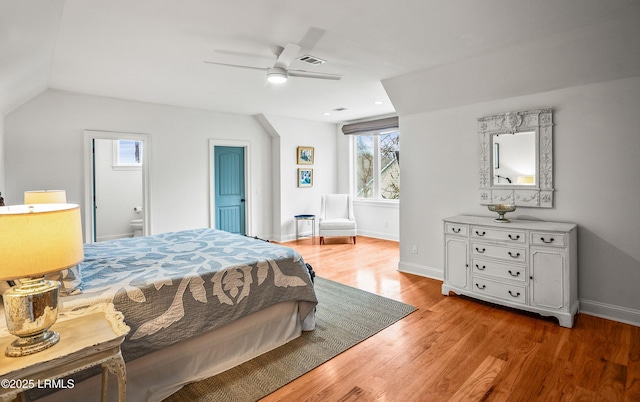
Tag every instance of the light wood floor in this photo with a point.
(457, 349)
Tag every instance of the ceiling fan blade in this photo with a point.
(245, 54)
(289, 54)
(309, 40)
(312, 74)
(237, 65)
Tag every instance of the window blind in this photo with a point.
(371, 127)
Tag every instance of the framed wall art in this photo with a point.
(305, 155)
(305, 177)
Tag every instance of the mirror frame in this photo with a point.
(539, 121)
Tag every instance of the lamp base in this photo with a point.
(32, 344)
(30, 310)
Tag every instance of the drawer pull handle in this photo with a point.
(551, 240)
(480, 234)
(516, 274)
(455, 230)
(481, 251)
(516, 237)
(516, 295)
(517, 255)
(481, 287)
(481, 268)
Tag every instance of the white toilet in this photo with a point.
(136, 225)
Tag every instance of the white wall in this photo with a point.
(378, 219)
(596, 165)
(332, 167)
(292, 133)
(44, 149)
(2, 184)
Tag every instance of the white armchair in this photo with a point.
(336, 217)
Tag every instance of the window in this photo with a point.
(377, 165)
(127, 153)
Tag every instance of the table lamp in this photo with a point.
(45, 197)
(36, 240)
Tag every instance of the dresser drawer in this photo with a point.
(456, 229)
(505, 291)
(548, 239)
(510, 236)
(499, 270)
(507, 253)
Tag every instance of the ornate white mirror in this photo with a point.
(516, 158)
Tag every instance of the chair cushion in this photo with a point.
(337, 224)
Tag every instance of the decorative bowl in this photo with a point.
(501, 209)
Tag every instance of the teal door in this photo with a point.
(229, 189)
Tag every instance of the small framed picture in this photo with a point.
(305, 177)
(305, 155)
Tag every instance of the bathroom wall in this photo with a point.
(118, 191)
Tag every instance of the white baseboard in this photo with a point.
(379, 235)
(422, 270)
(115, 236)
(590, 307)
(292, 237)
(610, 312)
(288, 238)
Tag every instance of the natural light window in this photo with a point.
(127, 153)
(377, 165)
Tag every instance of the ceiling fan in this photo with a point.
(280, 71)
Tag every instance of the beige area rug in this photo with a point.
(345, 316)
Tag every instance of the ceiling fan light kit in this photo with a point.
(277, 75)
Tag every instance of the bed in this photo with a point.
(198, 302)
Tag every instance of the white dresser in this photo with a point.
(528, 265)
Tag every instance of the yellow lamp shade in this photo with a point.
(39, 239)
(45, 197)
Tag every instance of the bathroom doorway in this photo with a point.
(116, 185)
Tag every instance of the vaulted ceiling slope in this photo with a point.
(154, 50)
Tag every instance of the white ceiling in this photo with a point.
(154, 50)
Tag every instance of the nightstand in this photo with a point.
(89, 337)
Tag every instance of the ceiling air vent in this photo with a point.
(307, 58)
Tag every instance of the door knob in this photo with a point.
(242, 200)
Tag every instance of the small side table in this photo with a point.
(88, 337)
(307, 217)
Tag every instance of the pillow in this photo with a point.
(70, 280)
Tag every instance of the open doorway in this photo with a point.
(116, 185)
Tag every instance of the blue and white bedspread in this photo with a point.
(176, 285)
